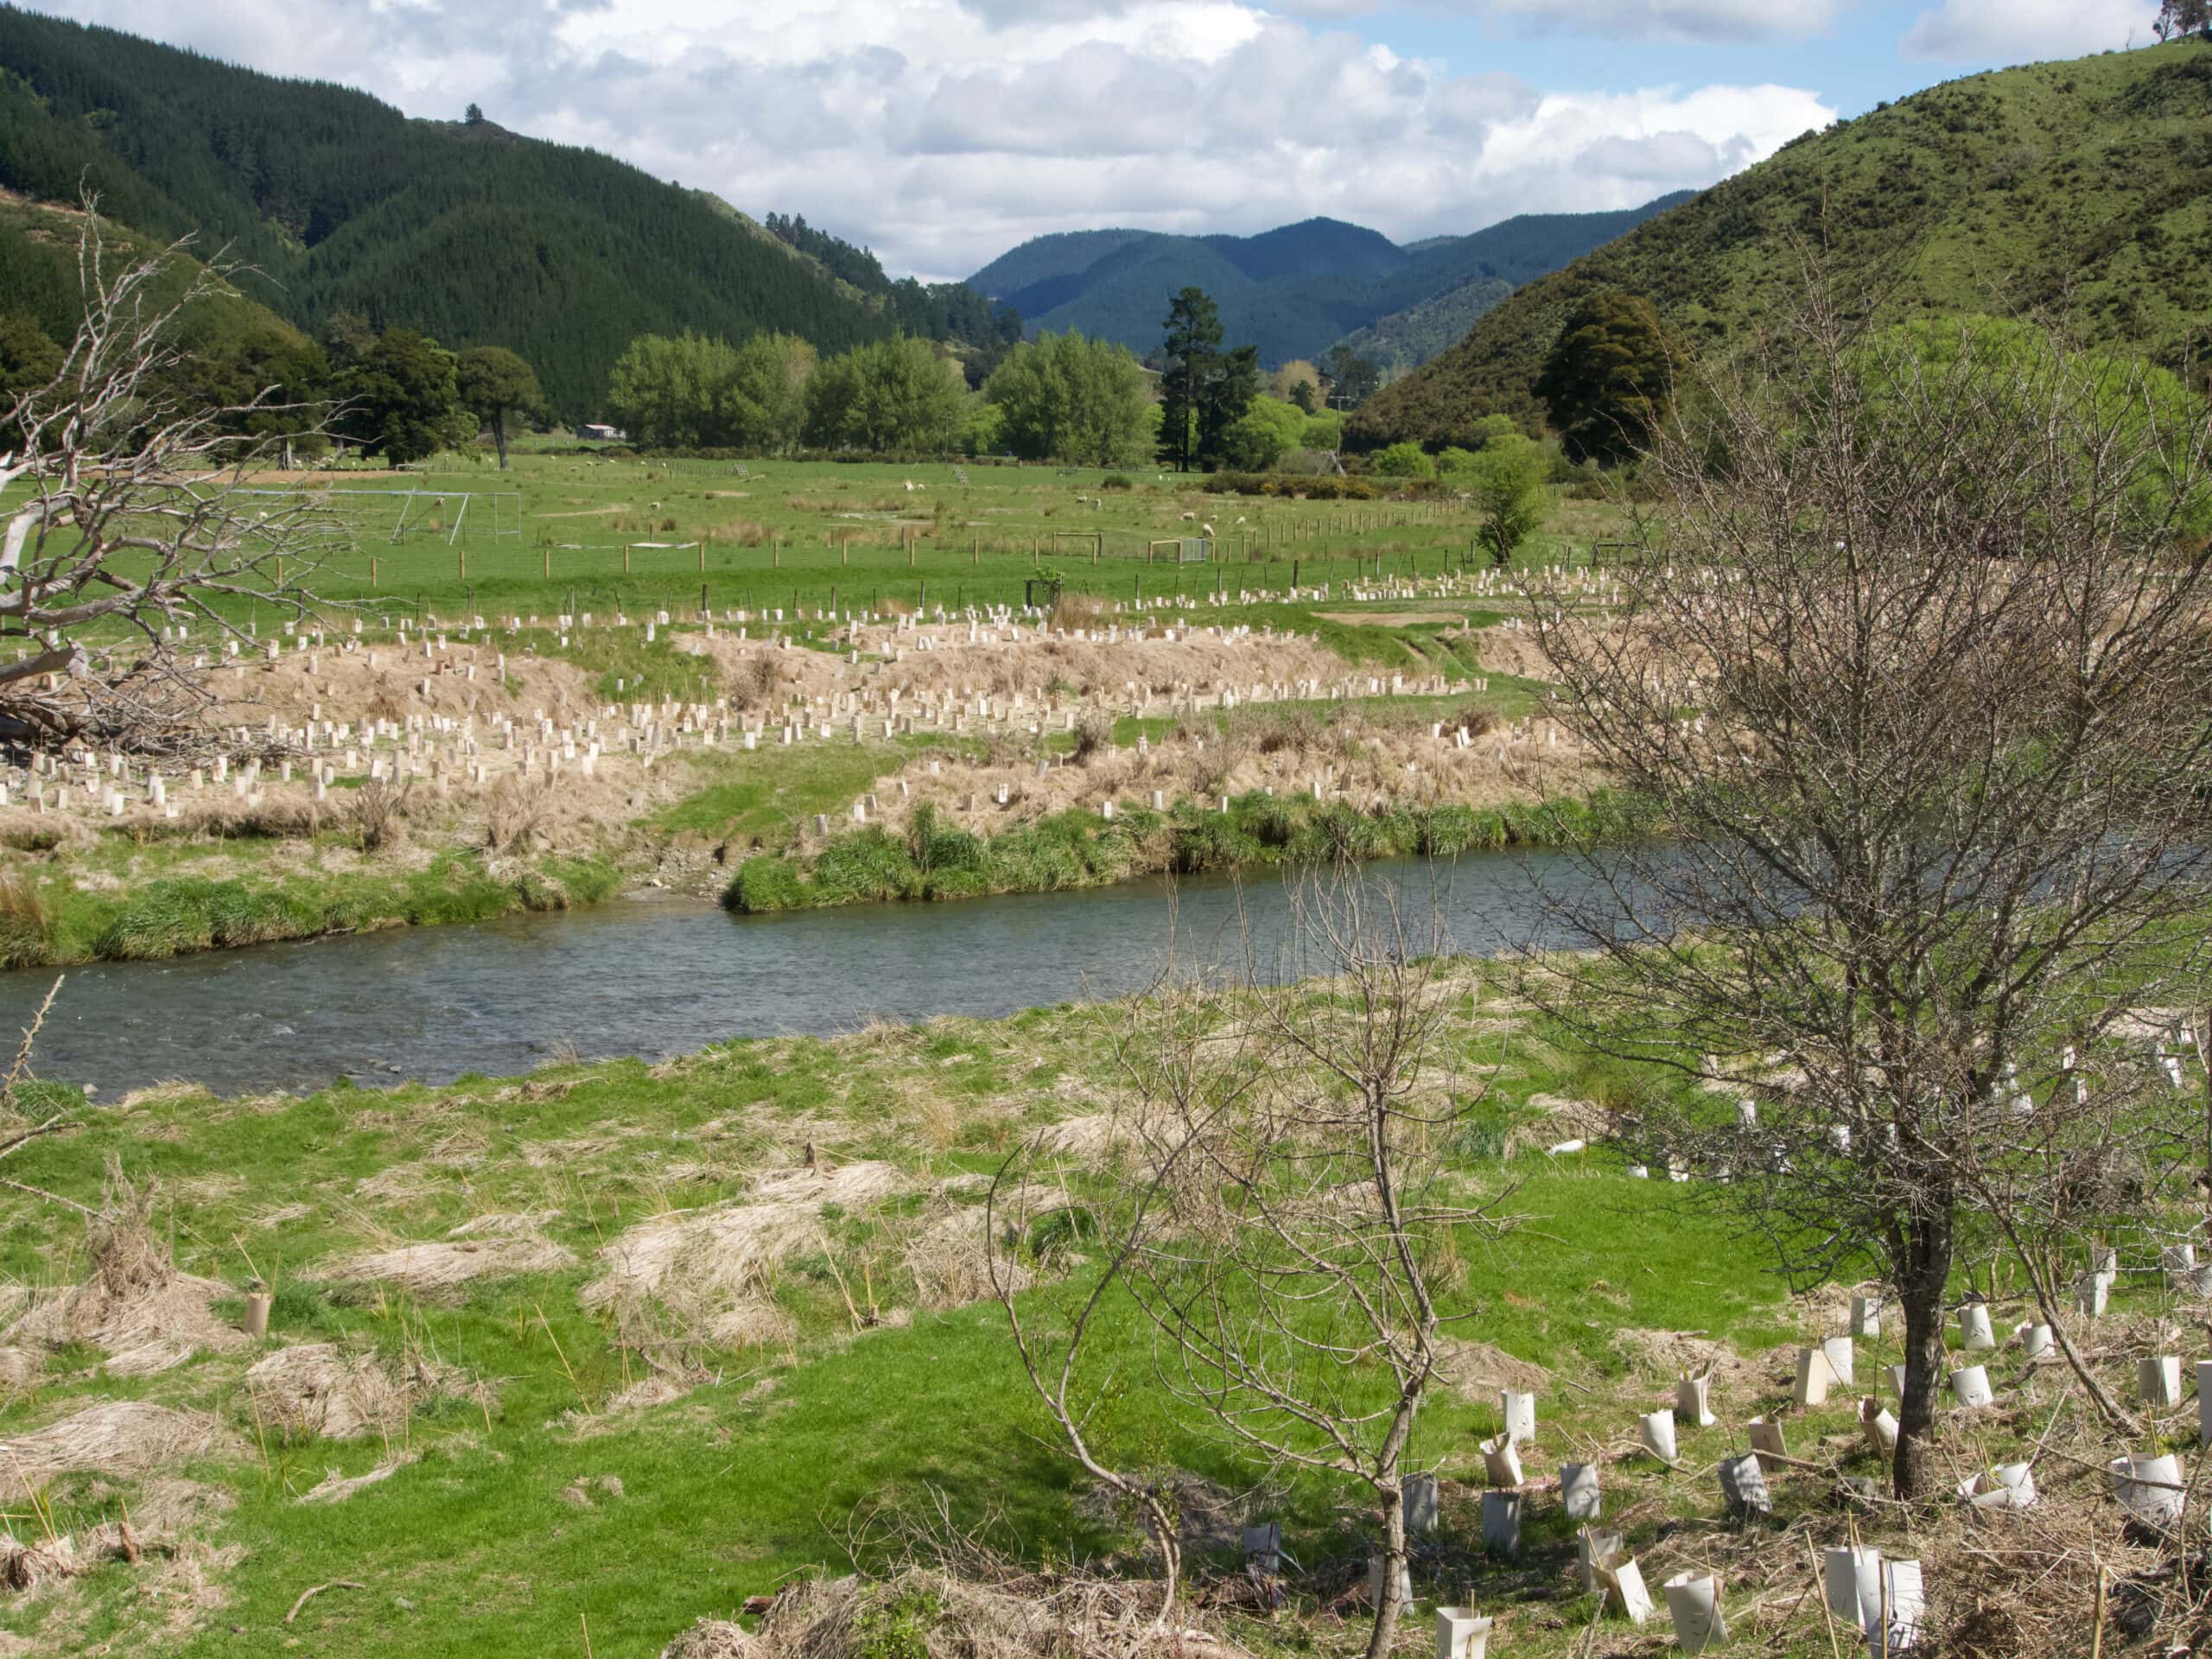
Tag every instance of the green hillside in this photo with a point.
(1406, 339)
(469, 232)
(1293, 292)
(1452, 281)
(2083, 185)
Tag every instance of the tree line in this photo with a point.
(1057, 398)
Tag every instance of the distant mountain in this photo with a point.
(1452, 281)
(472, 233)
(1293, 292)
(2084, 187)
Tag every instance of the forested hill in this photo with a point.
(2083, 186)
(469, 232)
(1296, 290)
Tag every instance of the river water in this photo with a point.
(655, 977)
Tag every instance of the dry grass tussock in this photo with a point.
(714, 1270)
(1371, 764)
(488, 1247)
(136, 1307)
(163, 1515)
(335, 1487)
(1031, 666)
(119, 1438)
(319, 1390)
(1009, 1617)
(1479, 1370)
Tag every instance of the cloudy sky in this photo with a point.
(941, 132)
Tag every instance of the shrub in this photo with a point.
(766, 884)
(1405, 460)
(1213, 843)
(1117, 481)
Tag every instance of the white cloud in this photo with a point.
(941, 132)
(1711, 22)
(2021, 31)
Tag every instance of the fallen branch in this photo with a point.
(51, 1198)
(52, 1125)
(314, 1589)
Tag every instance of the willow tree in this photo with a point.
(1914, 671)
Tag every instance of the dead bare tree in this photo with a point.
(129, 521)
(1913, 672)
(1281, 1220)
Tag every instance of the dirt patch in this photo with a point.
(118, 1438)
(1208, 1516)
(1660, 1359)
(1122, 673)
(1370, 763)
(488, 1247)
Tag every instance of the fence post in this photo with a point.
(372, 573)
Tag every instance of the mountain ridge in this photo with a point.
(331, 201)
(2081, 186)
(1294, 290)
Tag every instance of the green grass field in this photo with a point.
(586, 532)
(495, 1536)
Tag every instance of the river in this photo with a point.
(655, 978)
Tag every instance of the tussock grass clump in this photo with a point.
(488, 1247)
(714, 1271)
(118, 1438)
(378, 810)
(928, 1611)
(135, 1307)
(317, 1391)
(25, 927)
(739, 532)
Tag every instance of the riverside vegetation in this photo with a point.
(616, 1347)
(1377, 594)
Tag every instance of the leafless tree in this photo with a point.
(1913, 675)
(127, 520)
(1283, 1220)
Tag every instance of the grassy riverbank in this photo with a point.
(61, 922)
(615, 1346)
(932, 860)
